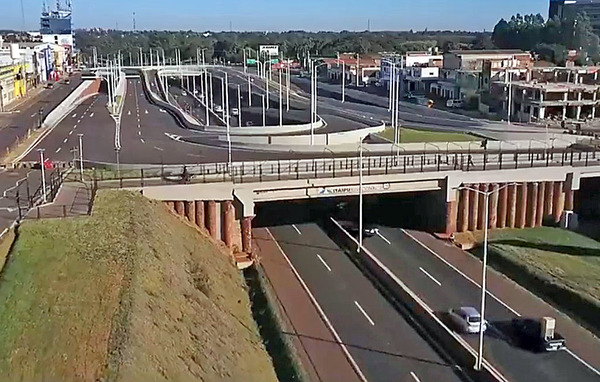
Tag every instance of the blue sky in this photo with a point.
(278, 15)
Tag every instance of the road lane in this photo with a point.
(384, 345)
(405, 258)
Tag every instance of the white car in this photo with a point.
(467, 319)
(184, 93)
(454, 103)
(218, 108)
(235, 112)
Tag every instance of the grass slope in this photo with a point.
(129, 294)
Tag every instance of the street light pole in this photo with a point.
(249, 93)
(280, 100)
(239, 103)
(81, 155)
(343, 82)
(360, 198)
(397, 106)
(264, 119)
(43, 175)
(287, 82)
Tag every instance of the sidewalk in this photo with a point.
(73, 199)
(30, 96)
(321, 356)
(580, 341)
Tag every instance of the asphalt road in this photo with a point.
(442, 288)
(26, 116)
(383, 344)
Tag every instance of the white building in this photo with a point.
(409, 60)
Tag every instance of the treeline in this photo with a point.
(551, 39)
(229, 46)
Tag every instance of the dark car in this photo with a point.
(529, 336)
(49, 85)
(353, 228)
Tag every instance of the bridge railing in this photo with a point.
(336, 167)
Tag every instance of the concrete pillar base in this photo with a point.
(247, 234)
(179, 207)
(463, 224)
(532, 204)
(493, 206)
(521, 206)
(502, 207)
(200, 217)
(558, 202)
(511, 217)
(190, 211)
(211, 219)
(228, 216)
(451, 217)
(473, 209)
(539, 216)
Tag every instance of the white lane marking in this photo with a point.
(492, 295)
(129, 112)
(139, 132)
(142, 140)
(363, 312)
(33, 115)
(158, 148)
(412, 374)
(57, 150)
(74, 115)
(383, 237)
(70, 132)
(324, 263)
(91, 114)
(75, 126)
(66, 139)
(297, 230)
(79, 120)
(162, 111)
(430, 276)
(319, 309)
(145, 111)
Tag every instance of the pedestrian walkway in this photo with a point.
(319, 352)
(73, 199)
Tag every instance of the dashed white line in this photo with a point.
(58, 150)
(66, 139)
(297, 230)
(139, 132)
(70, 132)
(74, 115)
(142, 140)
(364, 313)
(91, 115)
(33, 115)
(145, 111)
(430, 276)
(383, 237)
(412, 374)
(158, 148)
(129, 112)
(79, 120)
(324, 263)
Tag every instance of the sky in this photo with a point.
(278, 15)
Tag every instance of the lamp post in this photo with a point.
(360, 195)
(486, 195)
(314, 94)
(287, 82)
(239, 103)
(264, 119)
(249, 93)
(81, 155)
(45, 196)
(280, 100)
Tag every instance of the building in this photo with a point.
(563, 8)
(422, 59)
(55, 28)
(359, 69)
(466, 73)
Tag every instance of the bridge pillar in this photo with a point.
(569, 199)
(539, 216)
(451, 216)
(211, 219)
(228, 216)
(511, 205)
(473, 208)
(532, 204)
(463, 224)
(190, 211)
(247, 234)
(558, 202)
(481, 215)
(179, 207)
(200, 218)
(171, 205)
(493, 201)
(549, 199)
(502, 207)
(521, 206)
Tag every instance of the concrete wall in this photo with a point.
(84, 91)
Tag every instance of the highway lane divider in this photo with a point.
(453, 344)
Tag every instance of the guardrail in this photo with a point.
(26, 198)
(291, 169)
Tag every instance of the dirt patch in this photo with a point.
(131, 293)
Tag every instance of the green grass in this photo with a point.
(131, 293)
(561, 265)
(415, 136)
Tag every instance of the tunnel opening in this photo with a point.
(423, 211)
(587, 207)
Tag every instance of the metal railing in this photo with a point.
(296, 169)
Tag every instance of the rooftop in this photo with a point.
(488, 52)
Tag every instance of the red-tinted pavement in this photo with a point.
(580, 342)
(321, 356)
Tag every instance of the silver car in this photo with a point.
(467, 319)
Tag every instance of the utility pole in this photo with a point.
(287, 101)
(280, 100)
(343, 82)
(239, 106)
(249, 93)
(81, 155)
(397, 107)
(43, 175)
(264, 119)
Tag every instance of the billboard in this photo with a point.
(250, 61)
(270, 50)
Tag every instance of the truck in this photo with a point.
(538, 335)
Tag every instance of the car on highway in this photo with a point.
(49, 85)
(454, 103)
(368, 230)
(538, 335)
(467, 320)
(218, 108)
(184, 93)
(235, 112)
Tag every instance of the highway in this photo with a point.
(443, 288)
(383, 344)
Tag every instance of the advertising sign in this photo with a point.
(269, 50)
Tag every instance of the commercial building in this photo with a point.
(359, 69)
(563, 8)
(409, 60)
(55, 28)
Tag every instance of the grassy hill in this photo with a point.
(131, 293)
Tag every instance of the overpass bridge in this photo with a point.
(223, 199)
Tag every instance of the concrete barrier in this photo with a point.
(84, 91)
(452, 343)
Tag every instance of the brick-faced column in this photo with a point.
(511, 216)
(473, 208)
(481, 215)
(521, 206)
(502, 207)
(200, 218)
(569, 200)
(211, 219)
(227, 217)
(179, 207)
(463, 209)
(451, 217)
(493, 205)
(558, 202)
(539, 215)
(532, 204)
(190, 211)
(549, 199)
(170, 205)
(247, 234)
